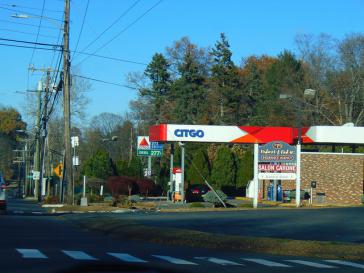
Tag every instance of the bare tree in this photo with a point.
(106, 123)
(335, 70)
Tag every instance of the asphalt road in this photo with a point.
(327, 224)
(43, 243)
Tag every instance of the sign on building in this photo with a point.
(147, 148)
(277, 160)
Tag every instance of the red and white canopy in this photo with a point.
(255, 134)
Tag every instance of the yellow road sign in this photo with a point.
(58, 170)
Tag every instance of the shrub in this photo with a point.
(362, 199)
(95, 198)
(210, 197)
(245, 205)
(196, 205)
(121, 185)
(51, 200)
(122, 201)
(134, 198)
(145, 186)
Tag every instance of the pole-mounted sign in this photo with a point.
(148, 148)
(277, 161)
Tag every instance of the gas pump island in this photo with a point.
(274, 157)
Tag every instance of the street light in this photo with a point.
(299, 103)
(307, 93)
(113, 138)
(27, 16)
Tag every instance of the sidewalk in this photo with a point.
(27, 205)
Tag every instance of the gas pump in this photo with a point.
(177, 180)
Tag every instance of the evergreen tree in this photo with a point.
(223, 168)
(132, 169)
(188, 90)
(98, 166)
(225, 82)
(245, 168)
(157, 72)
(255, 92)
(198, 166)
(285, 76)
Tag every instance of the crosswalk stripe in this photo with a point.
(267, 262)
(78, 255)
(174, 260)
(312, 264)
(126, 257)
(340, 262)
(31, 253)
(218, 261)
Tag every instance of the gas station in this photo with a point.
(284, 150)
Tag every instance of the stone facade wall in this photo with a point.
(339, 176)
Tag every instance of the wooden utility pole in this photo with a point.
(66, 103)
(44, 135)
(37, 139)
(41, 136)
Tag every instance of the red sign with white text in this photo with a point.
(277, 168)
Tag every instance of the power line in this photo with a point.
(106, 82)
(112, 24)
(20, 46)
(25, 32)
(60, 46)
(124, 29)
(16, 10)
(36, 39)
(111, 58)
(28, 13)
(25, 24)
(83, 22)
(54, 53)
(28, 42)
(25, 7)
(54, 79)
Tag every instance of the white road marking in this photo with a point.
(78, 255)
(174, 260)
(267, 262)
(31, 253)
(126, 257)
(218, 261)
(340, 262)
(312, 264)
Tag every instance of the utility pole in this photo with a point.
(25, 159)
(66, 102)
(44, 136)
(37, 140)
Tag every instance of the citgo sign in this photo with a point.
(189, 133)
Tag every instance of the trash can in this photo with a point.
(286, 196)
(320, 197)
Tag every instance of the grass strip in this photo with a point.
(127, 229)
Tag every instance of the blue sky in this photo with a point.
(252, 27)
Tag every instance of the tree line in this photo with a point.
(188, 84)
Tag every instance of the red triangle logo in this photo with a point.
(144, 142)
